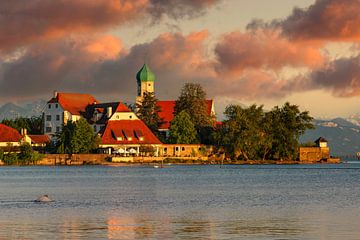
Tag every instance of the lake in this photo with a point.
(181, 202)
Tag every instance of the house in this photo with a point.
(320, 152)
(118, 127)
(38, 142)
(9, 137)
(64, 107)
(124, 132)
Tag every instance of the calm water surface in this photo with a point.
(181, 202)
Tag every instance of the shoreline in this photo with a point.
(169, 162)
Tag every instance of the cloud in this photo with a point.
(341, 77)
(100, 65)
(25, 22)
(69, 63)
(263, 49)
(180, 8)
(325, 20)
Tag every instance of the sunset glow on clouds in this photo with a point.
(71, 46)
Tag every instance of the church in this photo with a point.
(119, 128)
(145, 83)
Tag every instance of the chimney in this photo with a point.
(109, 112)
(23, 131)
(55, 93)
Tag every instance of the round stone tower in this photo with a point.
(145, 82)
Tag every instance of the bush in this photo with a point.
(10, 159)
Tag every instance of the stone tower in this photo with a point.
(145, 82)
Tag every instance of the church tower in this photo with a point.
(145, 82)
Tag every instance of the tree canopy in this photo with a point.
(192, 99)
(182, 129)
(76, 137)
(251, 133)
(34, 125)
(148, 111)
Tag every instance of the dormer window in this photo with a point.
(56, 105)
(129, 138)
(130, 117)
(49, 105)
(119, 138)
(141, 138)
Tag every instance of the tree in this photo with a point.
(250, 133)
(182, 129)
(34, 125)
(25, 152)
(289, 124)
(192, 99)
(241, 131)
(148, 112)
(76, 137)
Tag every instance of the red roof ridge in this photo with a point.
(75, 103)
(9, 134)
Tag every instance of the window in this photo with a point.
(177, 149)
(56, 105)
(130, 117)
(182, 149)
(149, 84)
(49, 105)
(57, 129)
(48, 129)
(48, 117)
(57, 117)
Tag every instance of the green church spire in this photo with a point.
(145, 74)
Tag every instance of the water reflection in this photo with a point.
(200, 226)
(192, 202)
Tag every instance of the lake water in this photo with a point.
(181, 202)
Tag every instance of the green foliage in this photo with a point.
(25, 152)
(148, 112)
(1, 154)
(251, 134)
(76, 137)
(34, 125)
(182, 129)
(308, 144)
(10, 159)
(192, 99)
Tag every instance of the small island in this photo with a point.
(77, 129)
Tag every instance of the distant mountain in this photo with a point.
(12, 111)
(355, 119)
(343, 136)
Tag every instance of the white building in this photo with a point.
(64, 107)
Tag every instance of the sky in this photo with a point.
(306, 52)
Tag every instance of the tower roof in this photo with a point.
(145, 74)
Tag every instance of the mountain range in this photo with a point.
(343, 134)
(12, 111)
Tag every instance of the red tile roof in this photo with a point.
(167, 111)
(39, 138)
(122, 108)
(75, 103)
(127, 129)
(8, 134)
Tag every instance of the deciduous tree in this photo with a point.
(182, 129)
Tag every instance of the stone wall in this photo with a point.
(73, 159)
(313, 154)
